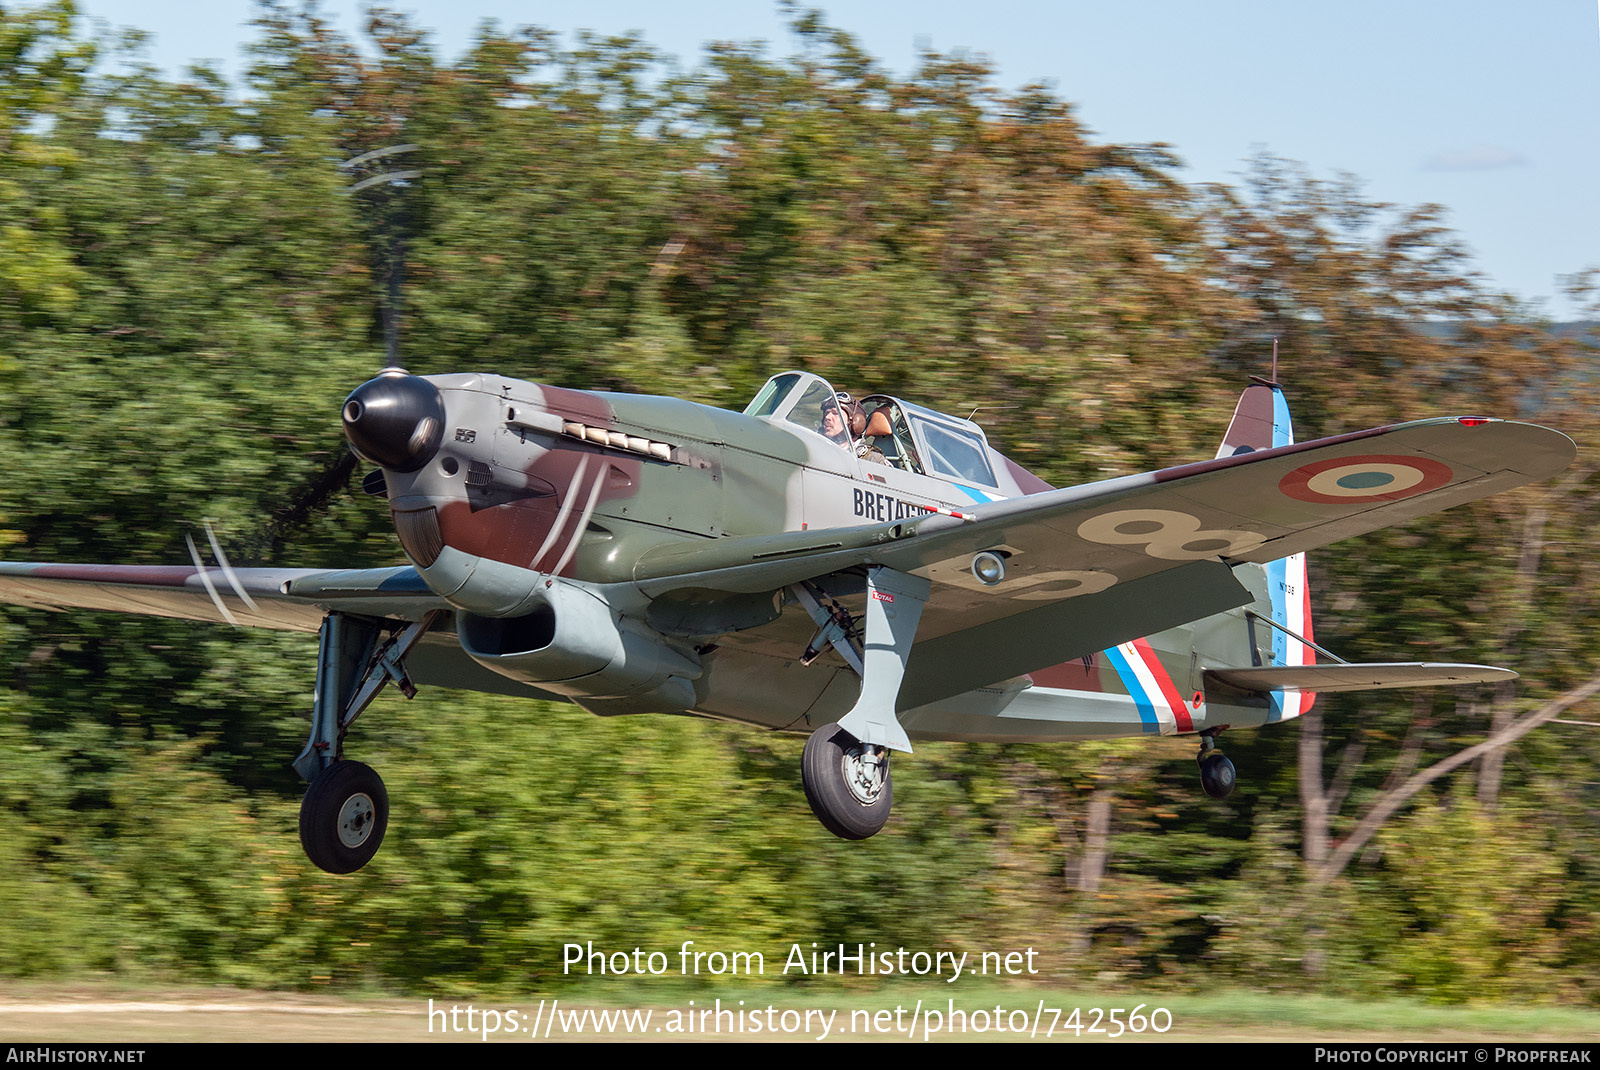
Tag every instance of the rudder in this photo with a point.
(1261, 421)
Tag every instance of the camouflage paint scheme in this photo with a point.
(644, 554)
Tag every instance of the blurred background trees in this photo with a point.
(186, 292)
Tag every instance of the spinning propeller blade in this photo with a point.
(227, 571)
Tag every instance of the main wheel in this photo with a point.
(847, 783)
(1217, 775)
(343, 817)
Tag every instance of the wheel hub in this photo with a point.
(356, 819)
(866, 771)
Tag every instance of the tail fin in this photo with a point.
(1261, 421)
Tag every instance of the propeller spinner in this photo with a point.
(395, 420)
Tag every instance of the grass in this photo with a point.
(109, 1012)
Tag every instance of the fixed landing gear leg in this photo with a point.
(345, 812)
(894, 607)
(845, 767)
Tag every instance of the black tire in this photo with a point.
(1217, 775)
(837, 772)
(343, 817)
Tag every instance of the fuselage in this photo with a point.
(586, 485)
(533, 509)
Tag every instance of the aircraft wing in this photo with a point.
(292, 599)
(1092, 566)
(1258, 506)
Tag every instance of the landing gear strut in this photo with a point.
(847, 782)
(345, 812)
(1217, 774)
(845, 767)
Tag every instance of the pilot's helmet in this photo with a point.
(851, 411)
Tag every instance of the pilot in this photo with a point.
(843, 421)
(839, 415)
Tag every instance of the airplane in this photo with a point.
(865, 571)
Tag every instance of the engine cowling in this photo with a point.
(572, 643)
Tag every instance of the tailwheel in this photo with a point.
(343, 817)
(1217, 774)
(847, 783)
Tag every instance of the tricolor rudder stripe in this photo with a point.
(1291, 607)
(1161, 706)
(1287, 579)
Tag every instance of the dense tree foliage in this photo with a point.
(186, 292)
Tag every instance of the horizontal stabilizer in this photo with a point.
(1343, 676)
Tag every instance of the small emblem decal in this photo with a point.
(465, 434)
(883, 596)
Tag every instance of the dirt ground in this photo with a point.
(95, 1013)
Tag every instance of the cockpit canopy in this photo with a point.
(898, 433)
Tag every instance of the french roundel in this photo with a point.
(1354, 480)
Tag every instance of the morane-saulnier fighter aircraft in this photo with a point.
(867, 571)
